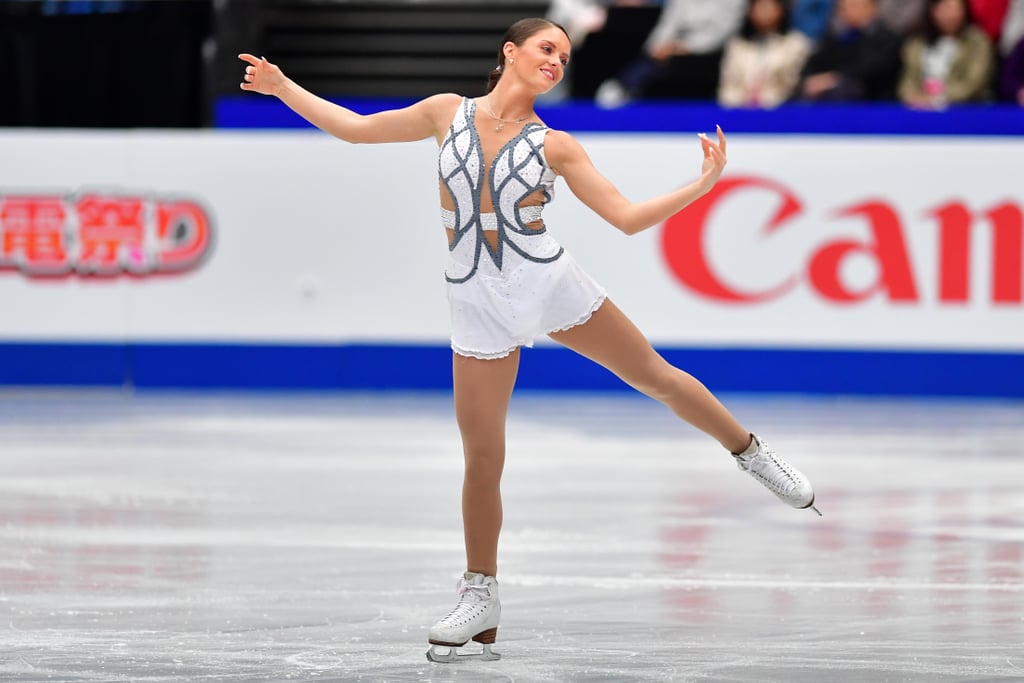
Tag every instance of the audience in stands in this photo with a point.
(811, 17)
(1013, 27)
(950, 62)
(858, 60)
(682, 56)
(902, 16)
(761, 67)
(607, 35)
(926, 54)
(1011, 79)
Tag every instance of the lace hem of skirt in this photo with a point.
(495, 355)
(480, 355)
(585, 317)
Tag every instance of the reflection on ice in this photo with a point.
(316, 538)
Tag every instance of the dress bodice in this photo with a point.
(516, 184)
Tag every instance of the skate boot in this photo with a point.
(777, 475)
(474, 618)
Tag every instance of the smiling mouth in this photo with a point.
(547, 72)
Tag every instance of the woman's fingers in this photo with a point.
(705, 143)
(256, 70)
(721, 138)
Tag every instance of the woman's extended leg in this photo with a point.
(483, 389)
(611, 339)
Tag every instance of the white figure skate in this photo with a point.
(777, 475)
(475, 618)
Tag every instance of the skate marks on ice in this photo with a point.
(238, 538)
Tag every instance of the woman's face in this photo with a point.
(541, 59)
(949, 16)
(766, 15)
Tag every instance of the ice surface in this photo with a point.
(164, 537)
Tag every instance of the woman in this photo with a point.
(762, 65)
(950, 62)
(509, 281)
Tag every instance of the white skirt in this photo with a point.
(496, 311)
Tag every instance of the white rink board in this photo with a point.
(319, 241)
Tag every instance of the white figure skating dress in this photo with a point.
(504, 296)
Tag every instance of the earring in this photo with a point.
(511, 61)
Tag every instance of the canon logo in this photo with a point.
(684, 241)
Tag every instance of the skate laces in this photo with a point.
(470, 596)
(772, 471)
(775, 473)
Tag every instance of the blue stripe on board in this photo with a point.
(63, 364)
(851, 119)
(255, 366)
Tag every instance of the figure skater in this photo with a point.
(509, 281)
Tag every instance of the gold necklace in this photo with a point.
(501, 121)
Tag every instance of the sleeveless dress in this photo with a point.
(502, 298)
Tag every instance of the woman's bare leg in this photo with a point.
(610, 339)
(483, 389)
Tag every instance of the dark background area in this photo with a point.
(163, 63)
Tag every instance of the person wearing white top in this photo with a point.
(761, 67)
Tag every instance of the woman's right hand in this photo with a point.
(714, 159)
(261, 76)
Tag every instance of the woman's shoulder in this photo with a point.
(558, 138)
(559, 147)
(444, 102)
(441, 109)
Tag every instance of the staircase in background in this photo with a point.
(388, 48)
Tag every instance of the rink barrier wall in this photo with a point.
(428, 368)
(579, 117)
(224, 292)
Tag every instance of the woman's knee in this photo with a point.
(484, 466)
(656, 379)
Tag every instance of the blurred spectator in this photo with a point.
(950, 62)
(607, 35)
(761, 66)
(1013, 27)
(1011, 79)
(860, 61)
(811, 17)
(579, 17)
(903, 16)
(989, 15)
(683, 55)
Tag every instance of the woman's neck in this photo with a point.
(510, 102)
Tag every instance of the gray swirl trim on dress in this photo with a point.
(475, 149)
(502, 223)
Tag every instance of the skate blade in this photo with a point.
(443, 654)
(817, 510)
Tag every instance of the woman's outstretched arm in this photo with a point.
(568, 158)
(422, 120)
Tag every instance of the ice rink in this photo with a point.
(166, 537)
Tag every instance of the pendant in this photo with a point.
(499, 127)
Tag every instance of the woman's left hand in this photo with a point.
(714, 159)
